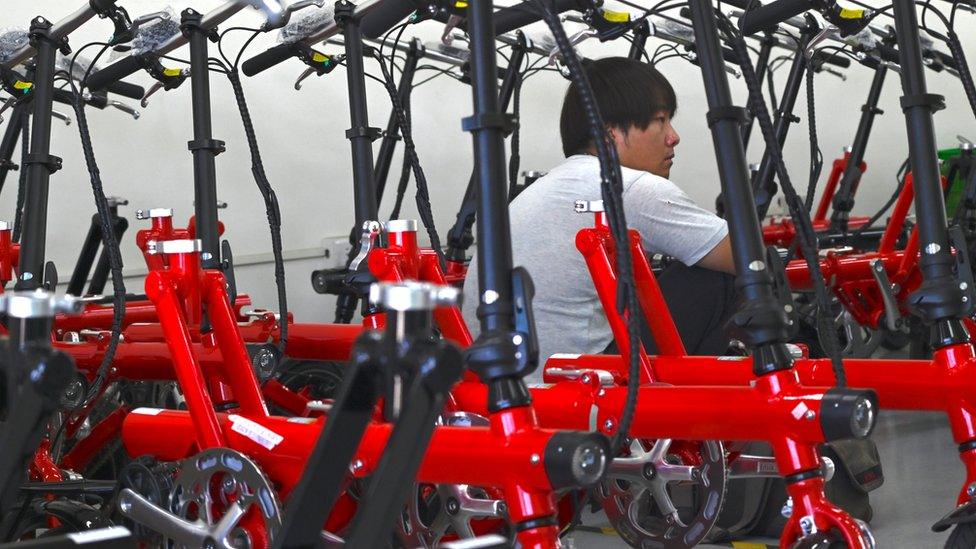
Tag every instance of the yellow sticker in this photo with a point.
(320, 57)
(847, 13)
(172, 72)
(460, 4)
(21, 85)
(616, 16)
(749, 545)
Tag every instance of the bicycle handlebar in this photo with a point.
(110, 75)
(522, 14)
(269, 58)
(126, 89)
(770, 15)
(822, 57)
(62, 28)
(132, 63)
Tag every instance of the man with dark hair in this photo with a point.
(637, 104)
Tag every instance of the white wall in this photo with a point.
(307, 157)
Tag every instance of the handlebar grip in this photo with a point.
(771, 15)
(526, 13)
(384, 17)
(946, 59)
(113, 73)
(729, 55)
(821, 57)
(126, 89)
(889, 53)
(269, 58)
(97, 100)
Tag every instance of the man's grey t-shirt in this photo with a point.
(568, 314)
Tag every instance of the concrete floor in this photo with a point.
(922, 477)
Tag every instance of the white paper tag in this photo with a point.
(255, 431)
(564, 356)
(147, 411)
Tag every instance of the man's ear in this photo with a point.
(619, 136)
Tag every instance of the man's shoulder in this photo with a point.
(647, 183)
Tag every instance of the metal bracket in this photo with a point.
(166, 247)
(892, 316)
(367, 240)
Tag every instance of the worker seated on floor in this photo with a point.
(638, 105)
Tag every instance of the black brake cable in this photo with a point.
(816, 155)
(401, 191)
(611, 189)
(109, 240)
(801, 217)
(515, 159)
(271, 207)
(423, 196)
(22, 179)
(900, 177)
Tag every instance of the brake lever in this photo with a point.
(62, 117)
(286, 15)
(298, 83)
(828, 31)
(836, 73)
(149, 93)
(6, 105)
(448, 35)
(128, 109)
(574, 40)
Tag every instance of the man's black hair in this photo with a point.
(629, 93)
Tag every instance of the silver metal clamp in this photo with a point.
(38, 304)
(413, 296)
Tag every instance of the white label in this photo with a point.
(539, 385)
(102, 534)
(147, 411)
(564, 356)
(799, 410)
(731, 357)
(255, 431)
(302, 420)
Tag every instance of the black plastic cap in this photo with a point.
(576, 460)
(848, 413)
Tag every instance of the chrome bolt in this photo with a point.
(807, 525)
(810, 415)
(963, 286)
(787, 509)
(357, 466)
(206, 256)
(534, 459)
(27, 276)
(609, 425)
(971, 490)
(586, 378)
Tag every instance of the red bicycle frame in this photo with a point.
(946, 383)
(500, 455)
(781, 231)
(786, 408)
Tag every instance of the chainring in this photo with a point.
(440, 512)
(224, 489)
(665, 493)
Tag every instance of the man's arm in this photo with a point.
(720, 258)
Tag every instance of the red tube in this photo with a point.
(160, 288)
